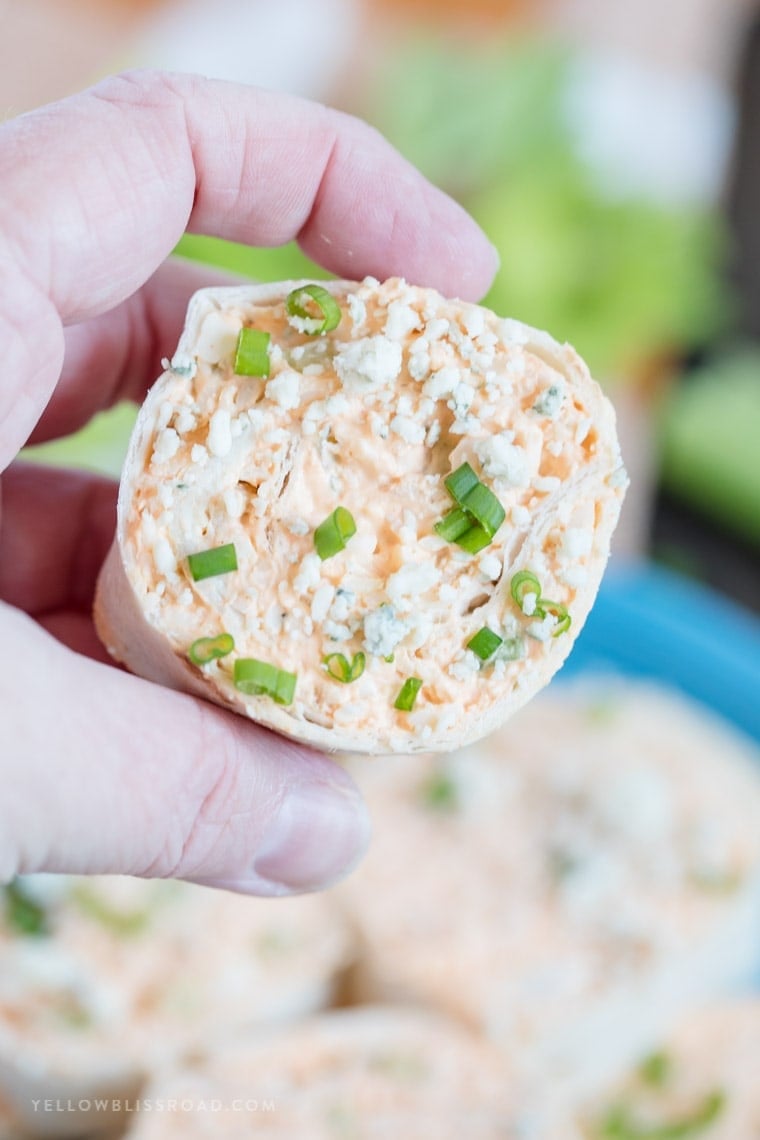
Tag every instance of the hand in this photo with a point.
(102, 771)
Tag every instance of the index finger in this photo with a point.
(97, 189)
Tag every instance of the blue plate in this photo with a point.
(650, 622)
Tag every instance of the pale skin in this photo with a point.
(103, 772)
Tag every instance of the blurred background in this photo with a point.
(617, 171)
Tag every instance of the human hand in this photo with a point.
(103, 771)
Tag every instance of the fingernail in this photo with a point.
(318, 836)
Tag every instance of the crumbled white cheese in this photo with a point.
(166, 494)
(163, 556)
(573, 576)
(402, 319)
(582, 430)
(436, 328)
(474, 321)
(185, 598)
(308, 576)
(185, 421)
(234, 502)
(520, 515)
(165, 413)
(166, 445)
(550, 400)
(442, 383)
(284, 390)
(502, 459)
(313, 370)
(273, 619)
(419, 361)
(490, 566)
(378, 425)
(198, 455)
(357, 310)
(447, 594)
(343, 603)
(336, 405)
(367, 364)
(181, 365)
(410, 430)
(618, 478)
(529, 603)
(370, 282)
(217, 339)
(307, 325)
(322, 601)
(576, 543)
(383, 631)
(465, 667)
(462, 398)
(546, 484)
(298, 527)
(542, 630)
(434, 433)
(219, 439)
(336, 631)
(412, 580)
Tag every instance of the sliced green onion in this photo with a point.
(523, 583)
(331, 536)
(207, 649)
(260, 678)
(341, 669)
(440, 792)
(316, 296)
(656, 1069)
(620, 1123)
(474, 540)
(460, 482)
(23, 913)
(485, 643)
(453, 525)
(485, 508)
(408, 695)
(252, 353)
(123, 923)
(210, 563)
(557, 610)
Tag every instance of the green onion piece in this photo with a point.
(408, 695)
(260, 678)
(474, 540)
(523, 583)
(485, 643)
(620, 1124)
(656, 1069)
(298, 302)
(123, 923)
(207, 649)
(460, 482)
(557, 610)
(485, 508)
(453, 525)
(440, 792)
(343, 670)
(331, 536)
(210, 563)
(252, 353)
(23, 913)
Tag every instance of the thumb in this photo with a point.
(106, 773)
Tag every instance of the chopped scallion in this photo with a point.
(210, 563)
(558, 611)
(22, 912)
(252, 353)
(207, 649)
(460, 482)
(523, 583)
(308, 297)
(331, 536)
(440, 792)
(485, 508)
(343, 670)
(260, 678)
(408, 694)
(474, 540)
(453, 525)
(621, 1124)
(485, 643)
